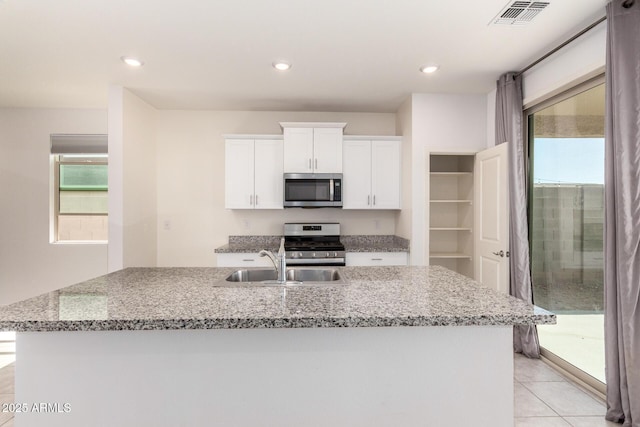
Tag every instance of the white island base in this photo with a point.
(388, 376)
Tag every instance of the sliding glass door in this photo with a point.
(566, 202)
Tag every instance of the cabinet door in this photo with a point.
(385, 174)
(239, 174)
(268, 174)
(327, 147)
(356, 175)
(376, 258)
(242, 260)
(298, 150)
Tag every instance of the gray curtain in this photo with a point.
(622, 213)
(509, 128)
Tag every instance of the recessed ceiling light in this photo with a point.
(428, 69)
(281, 65)
(132, 62)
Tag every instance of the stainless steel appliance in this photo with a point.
(312, 190)
(313, 244)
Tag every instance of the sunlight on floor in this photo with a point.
(579, 339)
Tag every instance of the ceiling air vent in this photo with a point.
(519, 12)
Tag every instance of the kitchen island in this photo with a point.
(170, 346)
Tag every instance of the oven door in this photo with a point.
(321, 262)
(312, 190)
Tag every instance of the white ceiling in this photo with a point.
(347, 55)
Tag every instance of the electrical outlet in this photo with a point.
(245, 224)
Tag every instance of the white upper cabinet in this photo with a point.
(385, 174)
(253, 173)
(327, 150)
(239, 173)
(268, 174)
(371, 174)
(356, 175)
(312, 147)
(298, 150)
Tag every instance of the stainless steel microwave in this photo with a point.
(312, 190)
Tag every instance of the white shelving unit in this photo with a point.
(451, 211)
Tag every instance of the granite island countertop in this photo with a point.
(352, 243)
(186, 298)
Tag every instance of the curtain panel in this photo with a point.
(509, 127)
(622, 213)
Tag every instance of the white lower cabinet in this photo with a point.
(376, 258)
(243, 260)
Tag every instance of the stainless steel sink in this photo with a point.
(294, 276)
(313, 274)
(252, 275)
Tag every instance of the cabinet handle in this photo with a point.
(374, 200)
(248, 259)
(376, 259)
(368, 200)
(256, 200)
(316, 163)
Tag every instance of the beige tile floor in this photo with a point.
(545, 398)
(7, 374)
(542, 398)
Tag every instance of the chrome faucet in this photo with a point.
(279, 261)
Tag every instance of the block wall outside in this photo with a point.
(567, 246)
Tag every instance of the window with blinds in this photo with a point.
(80, 188)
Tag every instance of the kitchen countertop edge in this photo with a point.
(315, 322)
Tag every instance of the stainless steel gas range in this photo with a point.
(313, 244)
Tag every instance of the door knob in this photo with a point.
(500, 254)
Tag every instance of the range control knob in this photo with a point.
(327, 255)
(314, 255)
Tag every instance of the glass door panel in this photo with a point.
(566, 226)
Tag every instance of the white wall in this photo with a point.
(580, 60)
(29, 264)
(132, 168)
(116, 178)
(442, 123)
(491, 118)
(404, 126)
(192, 220)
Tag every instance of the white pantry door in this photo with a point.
(492, 218)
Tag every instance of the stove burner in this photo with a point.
(313, 244)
